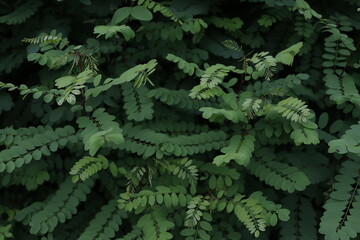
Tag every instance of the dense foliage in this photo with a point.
(179, 119)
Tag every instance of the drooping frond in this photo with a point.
(59, 208)
(138, 105)
(186, 67)
(88, 166)
(42, 39)
(105, 223)
(34, 148)
(341, 216)
(240, 150)
(232, 45)
(293, 109)
(158, 7)
(99, 129)
(21, 13)
(277, 174)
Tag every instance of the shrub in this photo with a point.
(179, 119)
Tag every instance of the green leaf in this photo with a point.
(120, 15)
(187, 232)
(112, 30)
(96, 141)
(287, 56)
(141, 13)
(206, 226)
(48, 97)
(116, 138)
(97, 80)
(65, 81)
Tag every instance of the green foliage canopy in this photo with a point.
(155, 120)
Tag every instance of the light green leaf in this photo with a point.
(141, 13)
(287, 56)
(96, 141)
(120, 15)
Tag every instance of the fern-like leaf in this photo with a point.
(155, 225)
(287, 56)
(293, 109)
(231, 44)
(60, 207)
(195, 208)
(302, 222)
(158, 7)
(349, 142)
(22, 13)
(277, 174)
(105, 224)
(186, 67)
(181, 168)
(99, 129)
(88, 166)
(35, 148)
(138, 105)
(340, 219)
(43, 39)
(240, 150)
